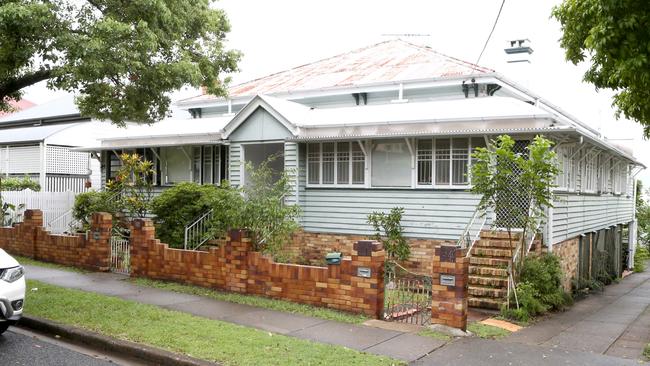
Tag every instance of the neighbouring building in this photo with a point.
(394, 124)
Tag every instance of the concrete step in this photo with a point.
(497, 282)
(485, 303)
(488, 271)
(493, 253)
(490, 292)
(488, 262)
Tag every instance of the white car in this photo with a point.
(12, 290)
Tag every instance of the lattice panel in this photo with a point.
(62, 160)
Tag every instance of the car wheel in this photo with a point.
(4, 326)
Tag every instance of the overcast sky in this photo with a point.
(280, 34)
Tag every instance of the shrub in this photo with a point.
(544, 273)
(388, 230)
(134, 183)
(529, 303)
(18, 184)
(641, 255)
(265, 214)
(87, 203)
(178, 206)
(540, 288)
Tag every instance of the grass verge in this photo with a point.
(33, 262)
(183, 333)
(487, 331)
(435, 335)
(252, 300)
(646, 351)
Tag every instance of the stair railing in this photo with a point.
(198, 231)
(472, 232)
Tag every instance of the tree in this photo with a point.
(121, 57)
(520, 184)
(614, 36)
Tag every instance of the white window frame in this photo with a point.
(335, 183)
(589, 173)
(451, 185)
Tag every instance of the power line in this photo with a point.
(492, 31)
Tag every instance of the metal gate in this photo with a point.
(120, 255)
(407, 295)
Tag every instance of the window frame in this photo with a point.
(350, 163)
(451, 185)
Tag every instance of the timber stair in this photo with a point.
(488, 269)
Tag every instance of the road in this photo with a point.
(22, 347)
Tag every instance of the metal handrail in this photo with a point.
(467, 239)
(195, 231)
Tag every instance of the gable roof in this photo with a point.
(388, 61)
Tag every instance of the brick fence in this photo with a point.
(450, 286)
(30, 239)
(355, 285)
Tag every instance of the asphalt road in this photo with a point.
(20, 347)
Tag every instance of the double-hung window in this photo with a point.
(445, 162)
(336, 164)
(589, 179)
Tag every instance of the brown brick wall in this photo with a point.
(235, 267)
(449, 303)
(568, 251)
(30, 239)
(312, 247)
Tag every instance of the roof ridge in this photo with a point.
(311, 63)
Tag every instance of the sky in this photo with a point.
(280, 34)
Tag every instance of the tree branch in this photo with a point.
(13, 85)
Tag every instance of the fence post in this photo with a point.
(26, 233)
(143, 233)
(449, 288)
(98, 248)
(237, 247)
(367, 276)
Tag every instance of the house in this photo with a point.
(394, 124)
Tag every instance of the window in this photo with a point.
(604, 175)
(204, 161)
(335, 163)
(567, 177)
(445, 161)
(589, 179)
(391, 164)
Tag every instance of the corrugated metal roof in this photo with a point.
(389, 61)
(63, 106)
(31, 134)
(484, 109)
(167, 132)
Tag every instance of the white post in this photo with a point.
(43, 173)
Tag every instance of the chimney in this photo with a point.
(519, 59)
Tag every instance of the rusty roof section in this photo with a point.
(388, 61)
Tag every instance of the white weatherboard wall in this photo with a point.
(575, 214)
(432, 214)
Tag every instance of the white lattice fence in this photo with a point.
(53, 204)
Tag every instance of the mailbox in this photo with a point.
(333, 258)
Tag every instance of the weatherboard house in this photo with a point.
(394, 124)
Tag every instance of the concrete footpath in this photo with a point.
(615, 322)
(399, 344)
(603, 329)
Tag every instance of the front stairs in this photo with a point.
(488, 269)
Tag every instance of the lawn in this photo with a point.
(183, 333)
(33, 262)
(252, 300)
